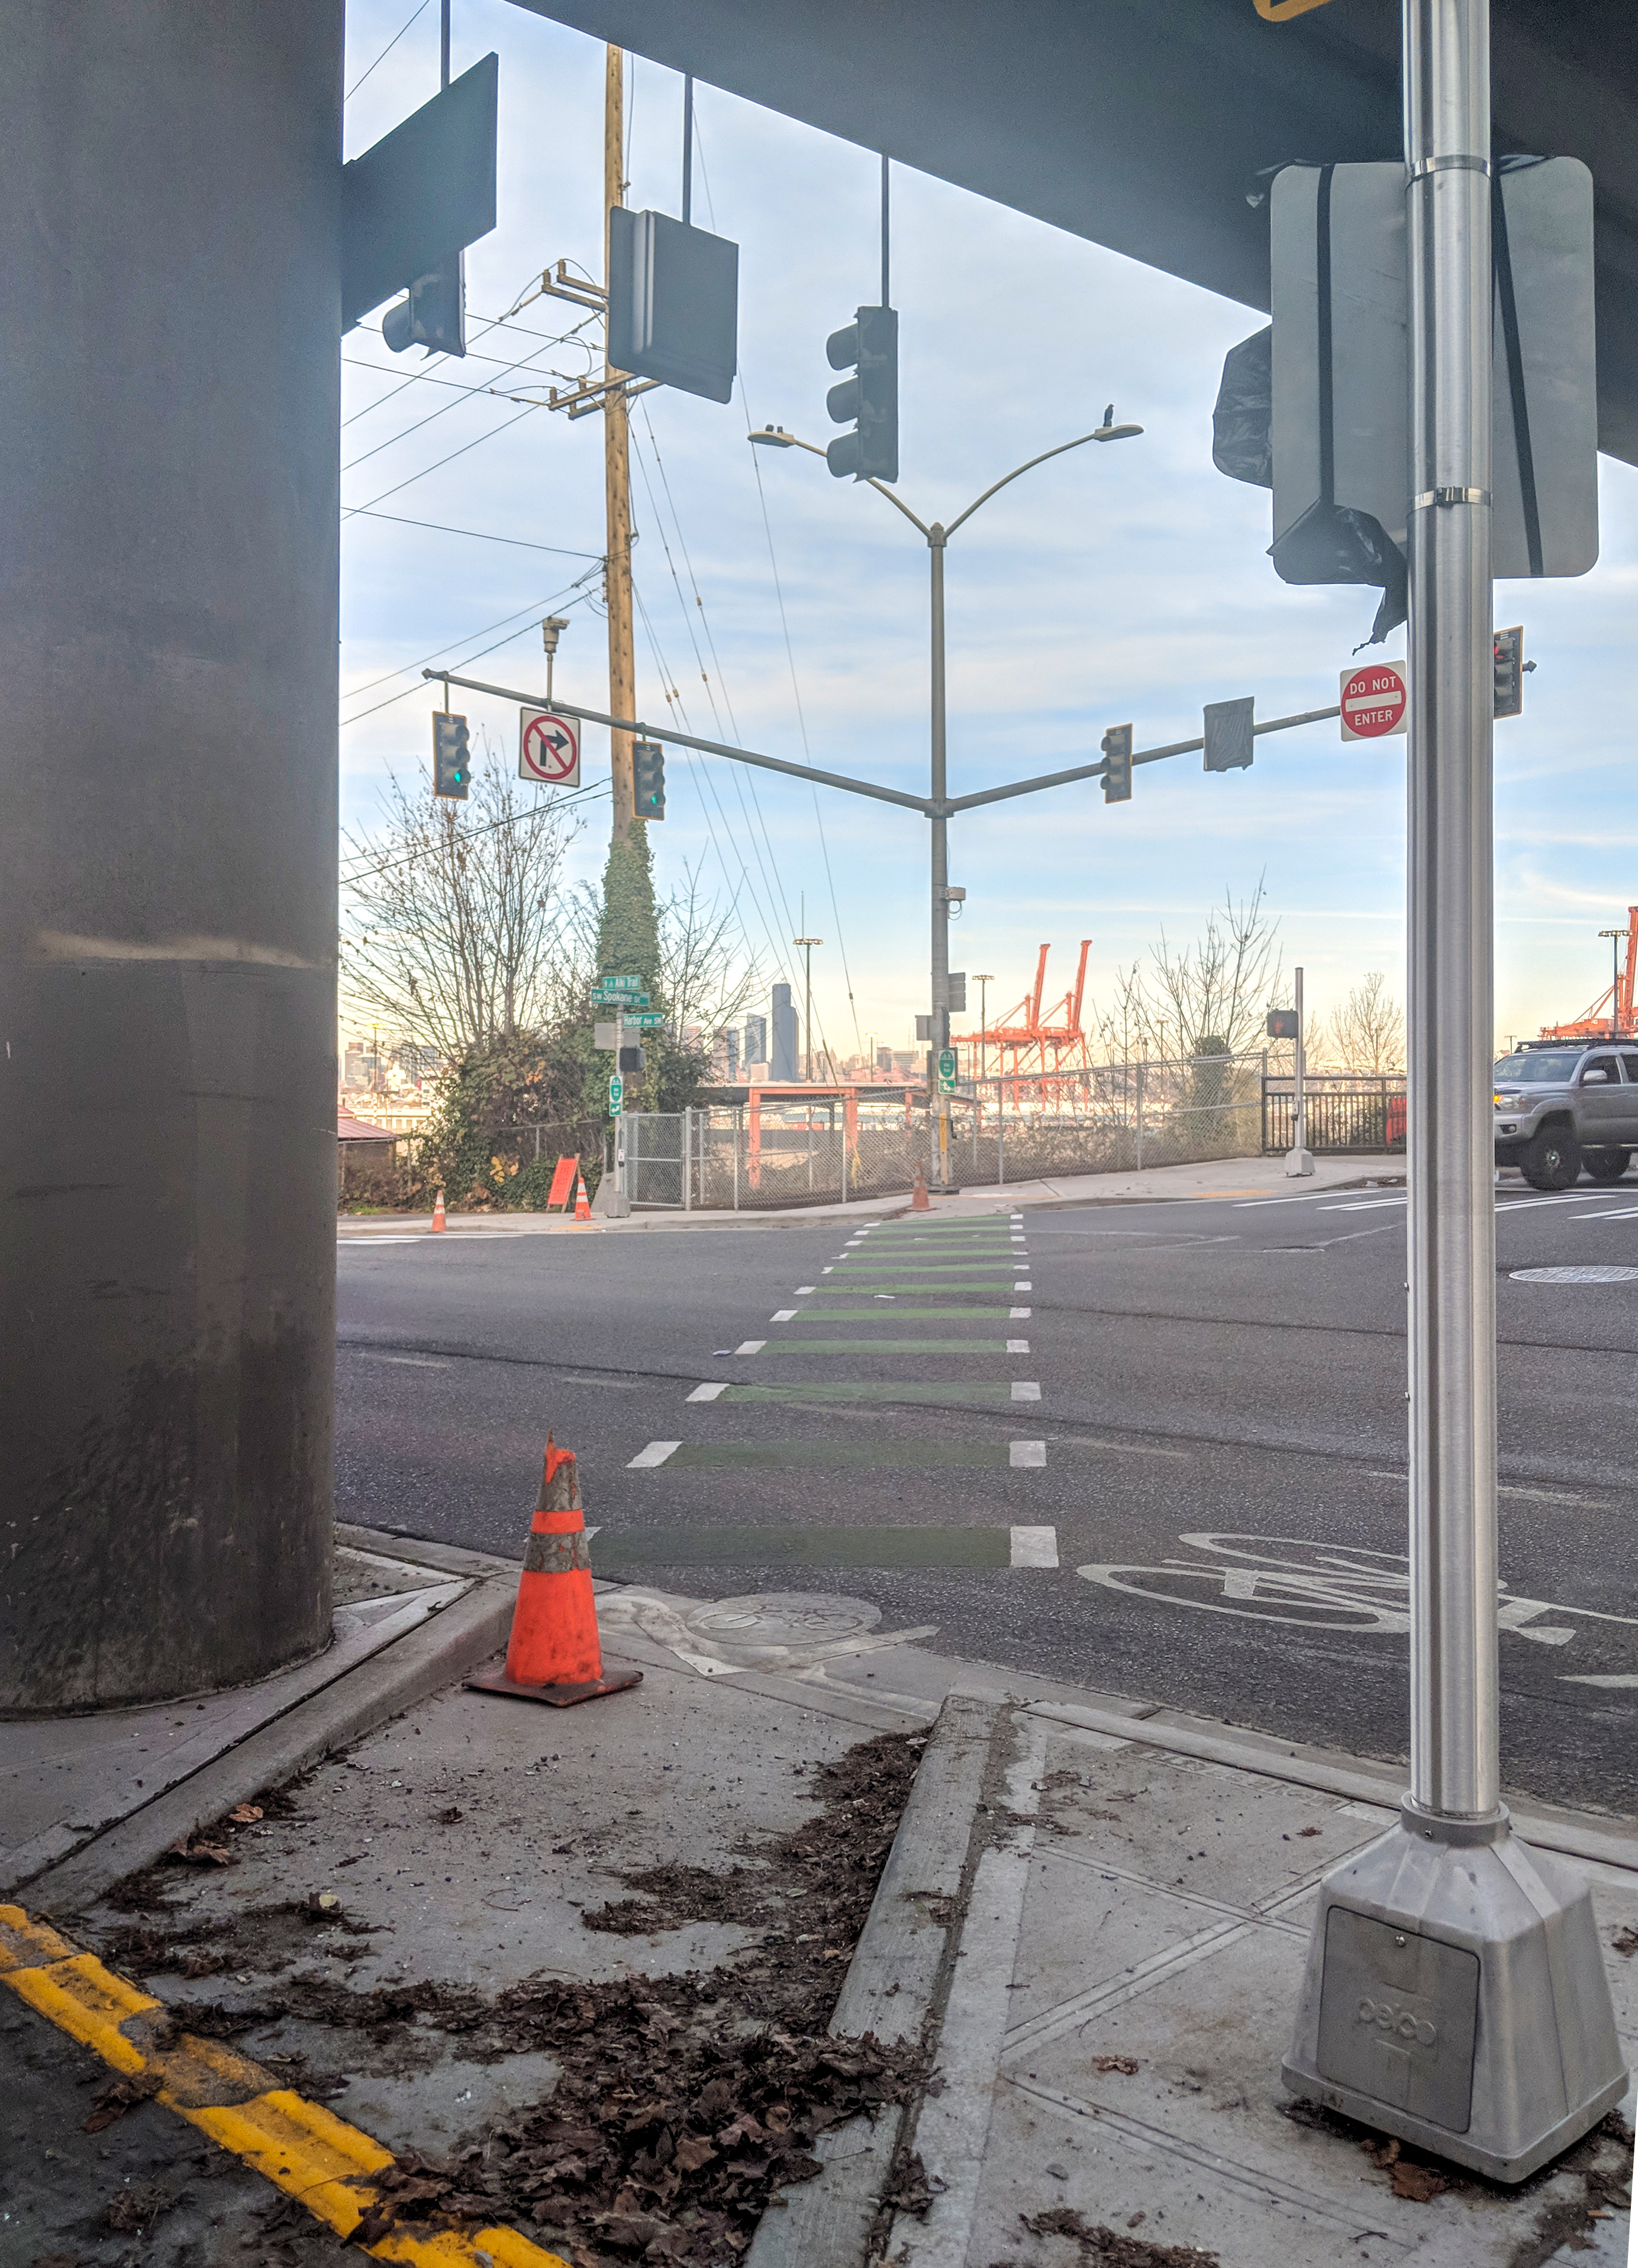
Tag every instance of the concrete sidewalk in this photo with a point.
(1217, 1178)
(1093, 1920)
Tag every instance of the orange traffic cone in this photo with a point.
(438, 1215)
(582, 1211)
(554, 1653)
(918, 1193)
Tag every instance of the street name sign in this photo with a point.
(1374, 701)
(549, 748)
(648, 1020)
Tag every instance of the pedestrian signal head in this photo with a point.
(648, 769)
(1117, 764)
(1509, 664)
(451, 756)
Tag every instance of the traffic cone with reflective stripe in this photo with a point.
(554, 1653)
(582, 1210)
(438, 1215)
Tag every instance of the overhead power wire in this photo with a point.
(478, 534)
(348, 510)
(790, 655)
(385, 51)
(561, 598)
(469, 834)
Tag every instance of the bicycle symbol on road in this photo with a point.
(1329, 1586)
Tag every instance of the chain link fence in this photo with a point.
(769, 1154)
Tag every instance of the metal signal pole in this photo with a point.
(1455, 1995)
(617, 478)
(807, 944)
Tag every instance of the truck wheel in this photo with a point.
(1606, 1165)
(1552, 1160)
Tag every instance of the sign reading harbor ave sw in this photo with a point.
(1374, 701)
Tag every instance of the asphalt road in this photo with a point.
(1202, 1503)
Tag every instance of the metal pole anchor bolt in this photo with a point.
(1455, 1995)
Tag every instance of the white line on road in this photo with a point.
(1366, 1204)
(1017, 1346)
(1629, 1212)
(802, 1290)
(1020, 1315)
(709, 1393)
(655, 1454)
(1624, 1680)
(1035, 1547)
(1024, 1287)
(751, 1346)
(1026, 1454)
(783, 1315)
(1026, 1389)
(419, 1361)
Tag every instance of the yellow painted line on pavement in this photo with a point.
(298, 2145)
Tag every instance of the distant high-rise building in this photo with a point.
(755, 1039)
(784, 1061)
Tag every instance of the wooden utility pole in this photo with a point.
(617, 477)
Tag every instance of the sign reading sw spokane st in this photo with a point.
(1375, 700)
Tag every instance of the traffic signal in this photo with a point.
(451, 749)
(1282, 1024)
(1509, 667)
(434, 316)
(869, 401)
(648, 766)
(1117, 764)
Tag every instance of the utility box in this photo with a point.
(673, 303)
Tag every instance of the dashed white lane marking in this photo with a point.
(1017, 1346)
(709, 1393)
(655, 1454)
(1026, 1389)
(751, 1346)
(1365, 1204)
(1024, 1454)
(1020, 1315)
(802, 1290)
(415, 1361)
(1023, 1287)
(783, 1315)
(1629, 1212)
(1035, 1547)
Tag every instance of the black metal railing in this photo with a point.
(1345, 1112)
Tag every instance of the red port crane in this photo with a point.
(1610, 1014)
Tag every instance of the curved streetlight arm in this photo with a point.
(790, 441)
(1079, 442)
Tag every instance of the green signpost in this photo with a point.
(947, 1071)
(616, 1090)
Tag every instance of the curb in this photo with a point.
(896, 1987)
(423, 1661)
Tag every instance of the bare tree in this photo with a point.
(456, 928)
(705, 973)
(1211, 997)
(1369, 1027)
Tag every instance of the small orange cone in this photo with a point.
(582, 1211)
(554, 1653)
(918, 1193)
(438, 1215)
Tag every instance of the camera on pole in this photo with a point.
(869, 400)
(1117, 764)
(648, 779)
(451, 756)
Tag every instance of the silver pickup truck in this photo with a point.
(1561, 1105)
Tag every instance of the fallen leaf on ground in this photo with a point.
(1128, 2064)
(246, 1815)
(1420, 2184)
(195, 1852)
(1104, 2247)
(133, 2209)
(119, 2096)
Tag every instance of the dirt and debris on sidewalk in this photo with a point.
(575, 1969)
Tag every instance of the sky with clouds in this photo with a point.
(785, 611)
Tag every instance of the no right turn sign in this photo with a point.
(1374, 701)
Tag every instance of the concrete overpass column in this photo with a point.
(169, 308)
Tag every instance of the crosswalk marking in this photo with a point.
(712, 1392)
(1017, 1346)
(1020, 1315)
(1026, 1389)
(751, 1346)
(826, 1547)
(1035, 1547)
(783, 1315)
(655, 1454)
(1023, 1287)
(1026, 1455)
(786, 1348)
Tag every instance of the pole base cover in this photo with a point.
(1455, 1997)
(559, 1697)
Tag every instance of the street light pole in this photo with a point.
(1615, 937)
(809, 943)
(937, 537)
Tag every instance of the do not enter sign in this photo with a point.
(1373, 701)
(549, 748)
